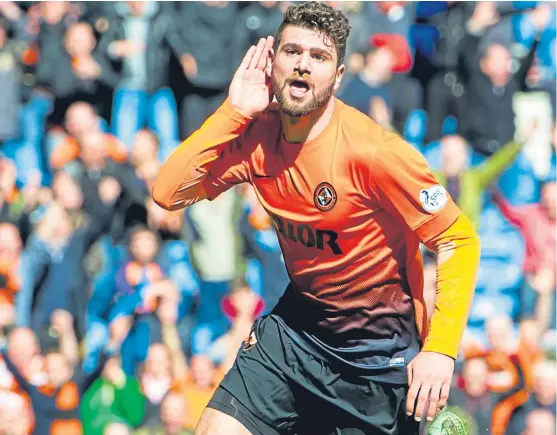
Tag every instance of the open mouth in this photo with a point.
(299, 88)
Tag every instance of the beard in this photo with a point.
(299, 107)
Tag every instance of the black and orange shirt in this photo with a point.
(351, 207)
(56, 410)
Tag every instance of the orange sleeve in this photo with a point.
(213, 152)
(407, 188)
(64, 153)
(116, 150)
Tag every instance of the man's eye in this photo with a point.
(319, 57)
(290, 51)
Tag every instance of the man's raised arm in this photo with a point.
(181, 181)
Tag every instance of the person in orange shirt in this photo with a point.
(348, 348)
(81, 121)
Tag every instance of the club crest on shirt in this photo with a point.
(433, 198)
(325, 197)
(250, 341)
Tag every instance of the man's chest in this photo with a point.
(313, 203)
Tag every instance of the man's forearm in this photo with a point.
(179, 182)
(458, 256)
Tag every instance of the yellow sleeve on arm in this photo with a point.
(179, 183)
(458, 256)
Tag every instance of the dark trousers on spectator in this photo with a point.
(444, 93)
(198, 104)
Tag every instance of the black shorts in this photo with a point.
(278, 387)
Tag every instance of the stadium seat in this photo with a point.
(415, 128)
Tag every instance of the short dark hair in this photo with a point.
(321, 18)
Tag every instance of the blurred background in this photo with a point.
(117, 317)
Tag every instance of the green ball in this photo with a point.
(447, 423)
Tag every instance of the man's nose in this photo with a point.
(304, 63)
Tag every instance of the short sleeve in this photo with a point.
(230, 168)
(406, 187)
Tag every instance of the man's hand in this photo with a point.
(125, 48)
(429, 377)
(87, 68)
(541, 16)
(109, 190)
(189, 65)
(485, 15)
(62, 321)
(250, 91)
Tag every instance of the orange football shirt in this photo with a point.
(350, 207)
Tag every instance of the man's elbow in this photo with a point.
(161, 196)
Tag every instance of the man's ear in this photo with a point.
(338, 78)
(270, 59)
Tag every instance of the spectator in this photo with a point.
(200, 384)
(140, 286)
(265, 273)
(467, 184)
(10, 252)
(64, 386)
(490, 84)
(16, 204)
(387, 99)
(75, 72)
(539, 421)
(541, 398)
(113, 402)
(95, 163)
(59, 245)
(471, 395)
(117, 429)
(63, 147)
(537, 223)
(156, 379)
(11, 74)
(212, 239)
(173, 410)
(258, 20)
(208, 28)
(140, 39)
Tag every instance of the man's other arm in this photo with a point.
(214, 147)
(405, 186)
(408, 190)
(458, 256)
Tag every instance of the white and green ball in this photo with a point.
(448, 423)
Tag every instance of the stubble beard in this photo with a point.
(297, 107)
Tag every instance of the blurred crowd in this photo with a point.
(118, 318)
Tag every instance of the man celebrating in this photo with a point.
(348, 348)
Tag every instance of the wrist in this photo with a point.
(236, 112)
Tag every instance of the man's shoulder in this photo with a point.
(361, 133)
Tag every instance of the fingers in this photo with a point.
(444, 397)
(423, 395)
(247, 59)
(411, 398)
(264, 59)
(258, 52)
(433, 401)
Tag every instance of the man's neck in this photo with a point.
(306, 128)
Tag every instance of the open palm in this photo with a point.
(250, 90)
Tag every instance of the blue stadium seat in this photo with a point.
(415, 128)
